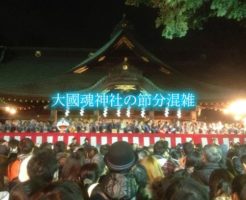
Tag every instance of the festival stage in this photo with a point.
(143, 139)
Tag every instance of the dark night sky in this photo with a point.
(217, 51)
(59, 23)
(89, 24)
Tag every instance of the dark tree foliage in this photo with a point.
(176, 17)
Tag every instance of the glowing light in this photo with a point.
(81, 70)
(82, 111)
(67, 113)
(125, 87)
(105, 112)
(179, 114)
(166, 113)
(128, 112)
(226, 111)
(145, 59)
(125, 67)
(143, 112)
(12, 111)
(7, 109)
(118, 113)
(38, 53)
(237, 109)
(101, 59)
(238, 117)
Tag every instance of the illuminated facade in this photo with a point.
(122, 66)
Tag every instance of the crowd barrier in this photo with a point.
(143, 139)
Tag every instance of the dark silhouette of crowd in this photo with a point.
(121, 171)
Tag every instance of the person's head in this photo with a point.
(160, 147)
(91, 152)
(41, 170)
(65, 190)
(104, 149)
(193, 160)
(74, 140)
(152, 167)
(240, 150)
(120, 157)
(199, 147)
(142, 154)
(79, 153)
(239, 187)
(71, 169)
(26, 146)
(212, 153)
(89, 173)
(13, 146)
(46, 145)
(220, 183)
(24, 190)
(59, 146)
(176, 154)
(86, 141)
(73, 145)
(42, 165)
(4, 150)
(179, 188)
(188, 148)
(61, 158)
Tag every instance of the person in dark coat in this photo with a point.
(212, 160)
(41, 169)
(119, 182)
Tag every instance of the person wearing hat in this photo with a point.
(119, 182)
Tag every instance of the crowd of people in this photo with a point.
(124, 126)
(121, 171)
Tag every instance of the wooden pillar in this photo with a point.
(151, 114)
(96, 114)
(53, 115)
(193, 115)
